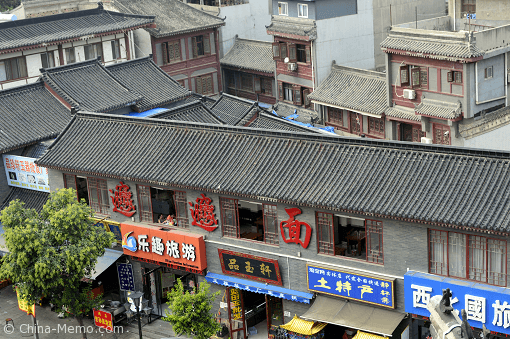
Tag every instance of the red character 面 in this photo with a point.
(203, 214)
(122, 201)
(294, 227)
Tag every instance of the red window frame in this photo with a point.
(485, 274)
(336, 117)
(101, 188)
(376, 126)
(322, 222)
(270, 237)
(374, 247)
(181, 214)
(229, 205)
(145, 211)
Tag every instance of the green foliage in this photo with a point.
(6, 5)
(50, 252)
(190, 312)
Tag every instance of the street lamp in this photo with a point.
(137, 296)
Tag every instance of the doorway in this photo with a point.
(81, 189)
(410, 132)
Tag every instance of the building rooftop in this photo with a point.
(401, 112)
(250, 54)
(286, 26)
(270, 121)
(79, 25)
(439, 109)
(31, 199)
(29, 114)
(304, 115)
(233, 110)
(155, 86)
(195, 111)
(172, 16)
(89, 86)
(352, 175)
(353, 89)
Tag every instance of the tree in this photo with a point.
(190, 312)
(52, 251)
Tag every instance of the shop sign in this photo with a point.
(126, 277)
(22, 172)
(484, 304)
(203, 213)
(24, 306)
(109, 226)
(122, 201)
(251, 267)
(235, 304)
(355, 286)
(103, 319)
(294, 229)
(164, 245)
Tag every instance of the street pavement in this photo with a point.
(50, 326)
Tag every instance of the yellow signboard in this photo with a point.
(24, 306)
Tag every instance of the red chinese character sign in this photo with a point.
(122, 201)
(103, 319)
(203, 213)
(294, 228)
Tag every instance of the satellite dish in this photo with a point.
(286, 60)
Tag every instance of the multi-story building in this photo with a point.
(447, 86)
(334, 249)
(248, 71)
(89, 34)
(184, 44)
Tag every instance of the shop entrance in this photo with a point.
(253, 314)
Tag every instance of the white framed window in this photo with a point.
(488, 72)
(302, 10)
(70, 56)
(283, 8)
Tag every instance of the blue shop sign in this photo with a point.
(345, 284)
(126, 277)
(484, 304)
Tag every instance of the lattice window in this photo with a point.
(477, 258)
(270, 224)
(229, 217)
(326, 241)
(144, 203)
(181, 209)
(98, 195)
(374, 233)
(335, 116)
(441, 134)
(497, 262)
(438, 247)
(468, 6)
(376, 126)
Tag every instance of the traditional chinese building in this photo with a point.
(185, 43)
(248, 71)
(281, 235)
(63, 39)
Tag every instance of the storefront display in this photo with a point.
(484, 304)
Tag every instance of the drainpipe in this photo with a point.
(476, 82)
(506, 79)
(454, 14)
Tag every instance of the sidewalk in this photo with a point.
(52, 327)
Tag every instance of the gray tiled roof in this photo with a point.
(156, 86)
(270, 121)
(232, 109)
(351, 88)
(67, 26)
(89, 86)
(371, 177)
(194, 111)
(402, 112)
(32, 199)
(250, 54)
(29, 114)
(208, 101)
(439, 109)
(306, 116)
(440, 45)
(172, 16)
(295, 26)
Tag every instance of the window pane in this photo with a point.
(325, 227)
(181, 210)
(457, 254)
(438, 245)
(229, 217)
(374, 241)
(497, 264)
(270, 224)
(477, 258)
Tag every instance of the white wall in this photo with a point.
(142, 42)
(494, 139)
(249, 21)
(349, 40)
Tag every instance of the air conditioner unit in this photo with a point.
(409, 94)
(292, 66)
(426, 140)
